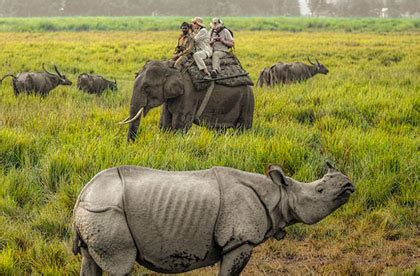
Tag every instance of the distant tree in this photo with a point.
(291, 7)
(320, 7)
(410, 6)
(394, 10)
(22, 8)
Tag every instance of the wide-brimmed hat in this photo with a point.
(216, 21)
(198, 20)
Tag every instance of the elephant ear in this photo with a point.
(170, 64)
(174, 87)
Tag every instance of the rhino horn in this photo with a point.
(330, 166)
(276, 174)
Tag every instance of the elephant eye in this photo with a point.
(146, 89)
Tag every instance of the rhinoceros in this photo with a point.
(172, 222)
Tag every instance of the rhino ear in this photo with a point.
(276, 174)
(331, 168)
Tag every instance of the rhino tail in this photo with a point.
(77, 243)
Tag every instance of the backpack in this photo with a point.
(231, 33)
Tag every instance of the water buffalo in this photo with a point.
(290, 72)
(37, 82)
(95, 84)
(172, 222)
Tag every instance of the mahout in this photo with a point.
(37, 82)
(95, 84)
(285, 73)
(173, 222)
(160, 83)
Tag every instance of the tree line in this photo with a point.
(365, 8)
(375, 8)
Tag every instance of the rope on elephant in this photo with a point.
(205, 101)
(224, 78)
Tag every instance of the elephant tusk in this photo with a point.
(134, 118)
(123, 121)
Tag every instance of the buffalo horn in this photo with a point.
(310, 61)
(46, 70)
(58, 72)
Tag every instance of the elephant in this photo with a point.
(160, 83)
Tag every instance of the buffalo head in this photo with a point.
(319, 67)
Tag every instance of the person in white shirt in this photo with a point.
(202, 45)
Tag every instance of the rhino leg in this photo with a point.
(89, 267)
(107, 237)
(235, 261)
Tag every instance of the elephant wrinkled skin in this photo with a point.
(161, 84)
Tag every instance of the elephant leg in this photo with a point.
(89, 267)
(182, 122)
(165, 118)
(235, 261)
(247, 111)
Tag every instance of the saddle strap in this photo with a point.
(205, 101)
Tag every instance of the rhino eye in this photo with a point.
(319, 189)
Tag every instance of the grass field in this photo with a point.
(363, 116)
(162, 23)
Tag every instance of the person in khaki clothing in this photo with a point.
(221, 40)
(184, 46)
(202, 49)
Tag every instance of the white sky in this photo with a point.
(304, 9)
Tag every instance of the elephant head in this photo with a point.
(158, 82)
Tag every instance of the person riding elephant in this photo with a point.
(202, 45)
(184, 46)
(161, 83)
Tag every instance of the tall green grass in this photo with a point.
(363, 116)
(290, 24)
